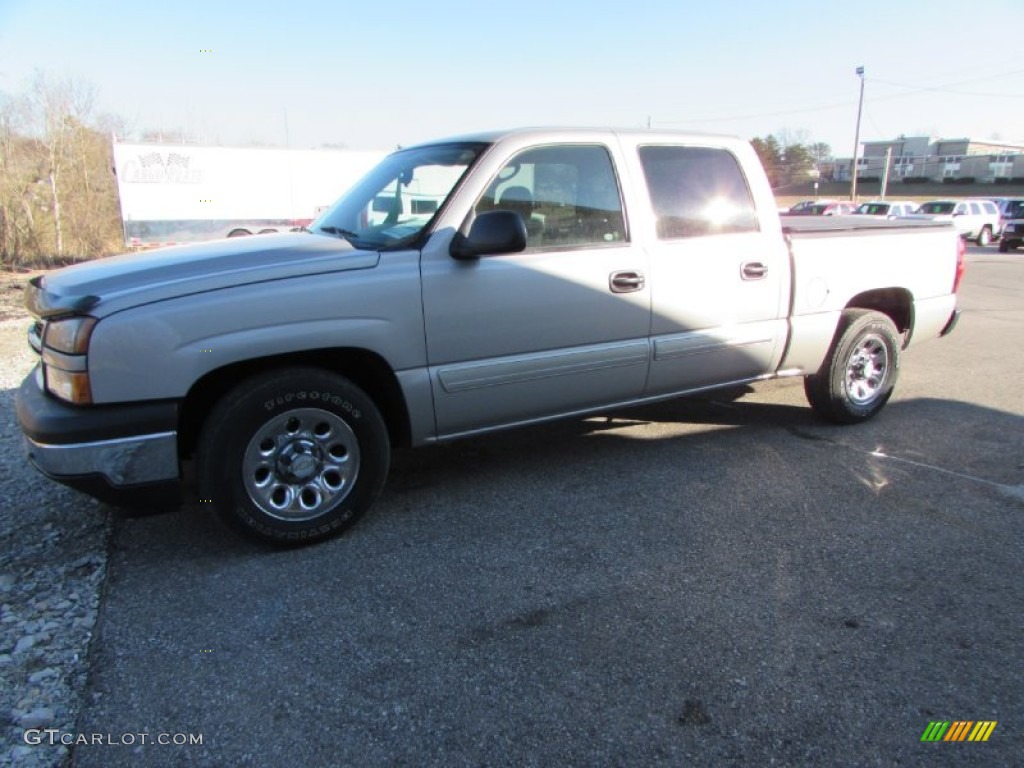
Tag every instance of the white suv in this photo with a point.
(976, 219)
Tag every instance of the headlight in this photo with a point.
(70, 336)
(65, 363)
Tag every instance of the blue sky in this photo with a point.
(377, 74)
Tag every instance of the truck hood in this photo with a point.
(109, 285)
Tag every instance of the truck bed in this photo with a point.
(813, 225)
(836, 259)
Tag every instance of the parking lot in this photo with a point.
(722, 580)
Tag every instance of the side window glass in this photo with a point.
(697, 191)
(566, 195)
(975, 209)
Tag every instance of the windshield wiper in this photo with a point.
(348, 234)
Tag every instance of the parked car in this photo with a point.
(539, 287)
(1012, 218)
(1010, 208)
(886, 209)
(975, 219)
(1013, 236)
(837, 208)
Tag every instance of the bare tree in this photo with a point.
(19, 175)
(61, 107)
(788, 137)
(56, 182)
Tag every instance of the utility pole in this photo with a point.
(856, 138)
(885, 173)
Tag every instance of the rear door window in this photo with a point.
(697, 191)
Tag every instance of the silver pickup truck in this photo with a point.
(464, 286)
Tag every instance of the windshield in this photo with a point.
(874, 209)
(393, 204)
(937, 208)
(817, 210)
(1014, 210)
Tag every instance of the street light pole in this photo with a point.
(856, 138)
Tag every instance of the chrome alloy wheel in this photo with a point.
(867, 369)
(300, 464)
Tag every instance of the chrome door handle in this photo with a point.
(624, 282)
(753, 270)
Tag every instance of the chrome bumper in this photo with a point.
(123, 462)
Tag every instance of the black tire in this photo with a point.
(239, 233)
(1004, 246)
(858, 375)
(293, 456)
(985, 236)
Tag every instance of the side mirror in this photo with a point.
(492, 232)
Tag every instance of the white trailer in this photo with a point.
(181, 193)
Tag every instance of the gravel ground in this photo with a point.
(52, 569)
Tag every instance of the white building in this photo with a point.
(926, 158)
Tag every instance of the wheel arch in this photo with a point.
(366, 369)
(896, 303)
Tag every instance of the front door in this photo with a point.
(560, 327)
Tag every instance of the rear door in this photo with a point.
(720, 282)
(560, 327)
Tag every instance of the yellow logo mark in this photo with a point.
(968, 730)
(982, 730)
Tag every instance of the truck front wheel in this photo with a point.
(858, 376)
(293, 456)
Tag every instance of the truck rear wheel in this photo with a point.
(293, 456)
(858, 376)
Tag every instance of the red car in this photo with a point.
(825, 209)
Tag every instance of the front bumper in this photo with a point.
(123, 462)
(122, 446)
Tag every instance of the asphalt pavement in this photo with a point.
(722, 580)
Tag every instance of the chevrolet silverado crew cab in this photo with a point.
(465, 286)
